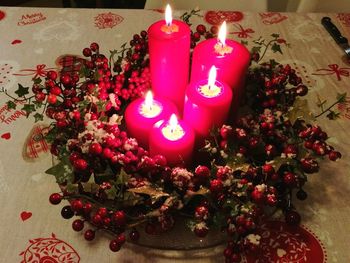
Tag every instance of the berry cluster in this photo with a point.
(202, 32)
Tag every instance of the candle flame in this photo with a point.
(173, 122)
(168, 15)
(212, 77)
(222, 33)
(149, 99)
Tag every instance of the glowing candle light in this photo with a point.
(169, 52)
(173, 139)
(142, 114)
(207, 105)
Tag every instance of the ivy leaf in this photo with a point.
(90, 187)
(256, 49)
(22, 91)
(218, 221)
(37, 104)
(130, 199)
(51, 135)
(11, 105)
(151, 191)
(62, 171)
(276, 48)
(244, 42)
(122, 178)
(341, 97)
(84, 71)
(240, 166)
(279, 161)
(72, 188)
(28, 108)
(38, 117)
(300, 110)
(274, 35)
(111, 193)
(37, 80)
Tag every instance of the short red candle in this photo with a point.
(174, 140)
(169, 52)
(229, 57)
(207, 104)
(141, 115)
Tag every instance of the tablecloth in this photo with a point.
(32, 39)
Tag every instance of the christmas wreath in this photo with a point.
(260, 160)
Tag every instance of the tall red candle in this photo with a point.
(169, 52)
(174, 140)
(142, 114)
(229, 57)
(207, 105)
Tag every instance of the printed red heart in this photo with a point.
(25, 215)
(16, 41)
(6, 136)
(2, 15)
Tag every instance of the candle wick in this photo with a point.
(168, 24)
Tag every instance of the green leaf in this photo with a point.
(332, 115)
(300, 110)
(276, 48)
(244, 42)
(341, 97)
(122, 178)
(111, 193)
(37, 80)
(51, 135)
(22, 91)
(256, 49)
(149, 190)
(84, 71)
(130, 199)
(90, 187)
(218, 220)
(62, 171)
(37, 104)
(11, 105)
(274, 35)
(28, 108)
(72, 188)
(38, 117)
(279, 161)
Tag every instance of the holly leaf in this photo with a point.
(300, 110)
(239, 166)
(130, 199)
(122, 177)
(279, 161)
(11, 105)
(276, 48)
(341, 97)
(38, 117)
(62, 171)
(149, 190)
(22, 91)
(28, 108)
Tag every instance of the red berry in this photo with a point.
(235, 257)
(216, 186)
(290, 151)
(201, 213)
(55, 198)
(87, 207)
(196, 36)
(258, 196)
(87, 52)
(201, 29)
(160, 160)
(201, 230)
(309, 165)
(94, 46)
(268, 169)
(225, 131)
(65, 79)
(271, 200)
(52, 75)
(202, 172)
(89, 235)
(214, 30)
(121, 239)
(78, 225)
(102, 211)
(334, 155)
(134, 235)
(55, 90)
(77, 205)
(119, 218)
(290, 179)
(114, 245)
(95, 148)
(301, 90)
(150, 229)
(51, 98)
(96, 219)
(80, 164)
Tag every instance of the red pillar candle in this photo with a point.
(229, 57)
(207, 105)
(169, 52)
(174, 140)
(142, 114)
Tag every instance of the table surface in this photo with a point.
(32, 40)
